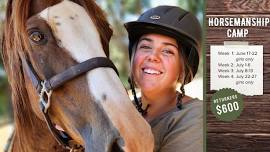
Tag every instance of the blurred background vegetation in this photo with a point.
(118, 12)
(5, 114)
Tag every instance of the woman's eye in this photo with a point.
(168, 51)
(37, 37)
(145, 47)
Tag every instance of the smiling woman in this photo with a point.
(164, 49)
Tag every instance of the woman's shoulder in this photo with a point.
(176, 125)
(191, 111)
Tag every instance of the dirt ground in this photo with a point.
(5, 132)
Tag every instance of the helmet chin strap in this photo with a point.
(181, 95)
(138, 103)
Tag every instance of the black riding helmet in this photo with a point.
(174, 22)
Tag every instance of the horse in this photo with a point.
(66, 94)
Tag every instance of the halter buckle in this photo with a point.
(45, 97)
(75, 147)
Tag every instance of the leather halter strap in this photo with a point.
(71, 73)
(45, 87)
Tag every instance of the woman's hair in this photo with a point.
(134, 47)
(186, 71)
(187, 75)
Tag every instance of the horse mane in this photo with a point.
(15, 42)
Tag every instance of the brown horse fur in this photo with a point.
(14, 42)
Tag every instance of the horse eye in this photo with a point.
(37, 37)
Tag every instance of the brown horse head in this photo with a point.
(93, 108)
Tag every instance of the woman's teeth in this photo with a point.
(151, 71)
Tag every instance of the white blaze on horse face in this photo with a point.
(74, 30)
(78, 35)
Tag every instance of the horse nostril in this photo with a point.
(115, 147)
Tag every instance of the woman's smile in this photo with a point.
(151, 71)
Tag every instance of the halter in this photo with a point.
(46, 87)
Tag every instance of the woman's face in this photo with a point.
(156, 64)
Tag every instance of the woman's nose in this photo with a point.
(154, 56)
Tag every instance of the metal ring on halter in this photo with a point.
(74, 149)
(45, 97)
(71, 150)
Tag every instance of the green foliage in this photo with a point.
(3, 99)
(195, 6)
(4, 96)
(132, 6)
(135, 6)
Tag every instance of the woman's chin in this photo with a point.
(148, 87)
